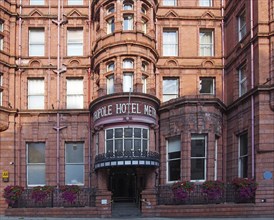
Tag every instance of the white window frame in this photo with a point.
(75, 99)
(170, 91)
(75, 37)
(144, 82)
(128, 20)
(75, 2)
(206, 48)
(205, 3)
(123, 138)
(204, 157)
(242, 80)
(170, 45)
(169, 2)
(128, 82)
(110, 84)
(212, 85)
(36, 42)
(39, 93)
(241, 25)
(37, 2)
(79, 164)
(35, 165)
(173, 145)
(242, 157)
(110, 25)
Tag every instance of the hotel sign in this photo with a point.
(123, 109)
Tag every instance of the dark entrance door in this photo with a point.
(122, 184)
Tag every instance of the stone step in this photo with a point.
(125, 210)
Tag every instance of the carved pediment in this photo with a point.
(208, 63)
(35, 13)
(171, 14)
(74, 13)
(208, 15)
(171, 63)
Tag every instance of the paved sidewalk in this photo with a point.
(155, 218)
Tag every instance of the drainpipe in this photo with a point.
(60, 69)
(252, 96)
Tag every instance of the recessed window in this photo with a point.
(198, 157)
(75, 42)
(126, 139)
(242, 80)
(241, 25)
(37, 2)
(75, 94)
(128, 22)
(75, 2)
(36, 92)
(110, 26)
(144, 66)
(36, 42)
(128, 82)
(1, 26)
(169, 2)
(206, 43)
(205, 3)
(128, 64)
(74, 167)
(207, 85)
(144, 82)
(144, 25)
(110, 9)
(1, 89)
(36, 166)
(170, 43)
(1, 42)
(144, 9)
(173, 159)
(110, 84)
(170, 89)
(110, 66)
(127, 5)
(243, 155)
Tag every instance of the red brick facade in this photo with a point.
(146, 73)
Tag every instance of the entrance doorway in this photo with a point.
(122, 184)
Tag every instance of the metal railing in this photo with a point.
(84, 198)
(197, 196)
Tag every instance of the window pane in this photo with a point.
(36, 42)
(109, 145)
(207, 86)
(36, 2)
(75, 2)
(243, 144)
(197, 169)
(137, 132)
(137, 144)
(128, 22)
(36, 174)
(74, 174)
(174, 170)
(145, 144)
(198, 148)
(127, 82)
(118, 132)
(128, 132)
(36, 102)
(170, 43)
(118, 145)
(75, 96)
(36, 153)
(206, 3)
(145, 133)
(206, 43)
(128, 144)
(75, 42)
(109, 134)
(74, 153)
(169, 2)
(128, 64)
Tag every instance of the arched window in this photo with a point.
(128, 64)
(128, 22)
(127, 5)
(144, 66)
(110, 9)
(110, 66)
(110, 25)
